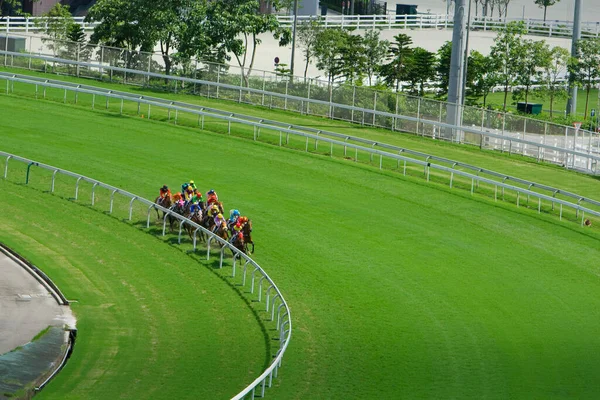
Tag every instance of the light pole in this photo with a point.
(572, 101)
(456, 69)
(466, 60)
(294, 38)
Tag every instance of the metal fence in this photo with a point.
(549, 28)
(373, 101)
(319, 133)
(567, 146)
(386, 159)
(261, 285)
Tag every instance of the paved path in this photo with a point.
(26, 307)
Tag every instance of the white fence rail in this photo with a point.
(426, 165)
(275, 305)
(571, 148)
(549, 28)
(319, 133)
(135, 64)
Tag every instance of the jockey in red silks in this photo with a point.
(212, 197)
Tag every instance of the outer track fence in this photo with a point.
(259, 130)
(327, 134)
(261, 285)
(580, 152)
(307, 96)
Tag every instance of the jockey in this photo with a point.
(176, 197)
(197, 198)
(165, 192)
(220, 222)
(184, 187)
(189, 193)
(213, 210)
(193, 185)
(211, 197)
(195, 209)
(233, 217)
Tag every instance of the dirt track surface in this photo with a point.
(26, 307)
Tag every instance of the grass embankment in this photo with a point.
(152, 321)
(523, 167)
(398, 288)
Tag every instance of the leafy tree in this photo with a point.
(536, 59)
(375, 51)
(307, 35)
(584, 69)
(353, 60)
(545, 4)
(237, 24)
(553, 72)
(482, 76)
(420, 69)
(11, 7)
(399, 52)
(195, 40)
(506, 52)
(328, 51)
(119, 25)
(56, 24)
(442, 68)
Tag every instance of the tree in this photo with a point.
(375, 51)
(56, 24)
(502, 7)
(306, 36)
(584, 69)
(399, 52)
(420, 69)
(506, 53)
(482, 76)
(119, 25)
(442, 68)
(536, 59)
(237, 24)
(553, 72)
(11, 7)
(353, 60)
(195, 40)
(328, 51)
(545, 4)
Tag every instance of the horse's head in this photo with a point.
(248, 225)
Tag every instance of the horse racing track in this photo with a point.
(399, 288)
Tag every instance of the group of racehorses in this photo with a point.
(240, 236)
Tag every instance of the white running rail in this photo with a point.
(426, 165)
(275, 305)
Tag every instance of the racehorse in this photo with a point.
(163, 202)
(178, 209)
(247, 231)
(221, 230)
(196, 217)
(239, 243)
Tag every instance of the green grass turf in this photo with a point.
(523, 167)
(559, 106)
(398, 288)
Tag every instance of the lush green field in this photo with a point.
(497, 99)
(398, 288)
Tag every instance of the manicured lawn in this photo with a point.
(398, 288)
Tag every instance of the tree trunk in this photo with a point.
(505, 96)
(545, 7)
(306, 67)
(587, 99)
(551, 104)
(526, 94)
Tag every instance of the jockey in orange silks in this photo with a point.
(211, 197)
(164, 192)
